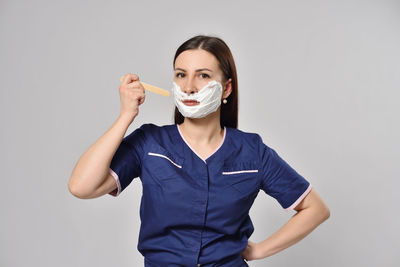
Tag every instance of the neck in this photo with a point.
(203, 130)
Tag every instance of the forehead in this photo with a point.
(195, 59)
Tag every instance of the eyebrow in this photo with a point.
(196, 70)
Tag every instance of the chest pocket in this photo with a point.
(242, 176)
(161, 164)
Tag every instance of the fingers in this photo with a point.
(135, 85)
(128, 78)
(132, 81)
(132, 94)
(142, 99)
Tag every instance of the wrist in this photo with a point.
(263, 249)
(127, 118)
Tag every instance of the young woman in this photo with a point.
(200, 175)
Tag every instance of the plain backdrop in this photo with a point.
(318, 80)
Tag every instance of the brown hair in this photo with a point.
(217, 47)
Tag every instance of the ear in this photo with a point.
(227, 90)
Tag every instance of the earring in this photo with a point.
(225, 101)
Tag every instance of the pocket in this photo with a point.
(162, 164)
(243, 176)
(165, 157)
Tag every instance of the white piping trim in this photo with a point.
(111, 171)
(163, 156)
(300, 198)
(223, 140)
(234, 172)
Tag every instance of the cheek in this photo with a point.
(179, 83)
(201, 84)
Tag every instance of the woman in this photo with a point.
(201, 175)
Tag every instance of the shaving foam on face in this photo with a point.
(209, 98)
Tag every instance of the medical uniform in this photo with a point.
(194, 211)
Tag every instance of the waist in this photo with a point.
(232, 261)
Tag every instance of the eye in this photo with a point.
(204, 75)
(179, 73)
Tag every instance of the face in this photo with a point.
(195, 68)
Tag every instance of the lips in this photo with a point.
(190, 102)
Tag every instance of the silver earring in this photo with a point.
(225, 101)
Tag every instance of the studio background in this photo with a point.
(318, 80)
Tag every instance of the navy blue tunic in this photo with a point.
(194, 211)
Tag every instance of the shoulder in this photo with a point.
(155, 133)
(151, 128)
(249, 143)
(251, 139)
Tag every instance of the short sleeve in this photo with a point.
(127, 160)
(280, 180)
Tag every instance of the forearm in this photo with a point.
(299, 226)
(92, 167)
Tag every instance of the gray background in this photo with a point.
(318, 80)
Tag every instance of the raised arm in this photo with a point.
(92, 168)
(90, 177)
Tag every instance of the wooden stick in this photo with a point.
(152, 88)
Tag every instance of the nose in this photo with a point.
(189, 87)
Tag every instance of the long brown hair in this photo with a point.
(217, 47)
